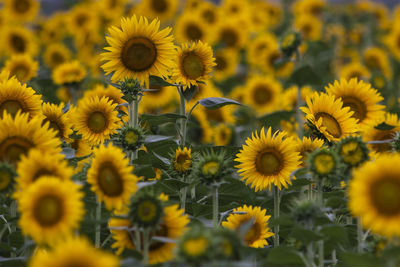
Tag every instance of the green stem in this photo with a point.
(299, 114)
(321, 253)
(360, 234)
(146, 243)
(276, 215)
(182, 111)
(98, 225)
(310, 253)
(183, 194)
(310, 191)
(133, 121)
(215, 206)
(334, 259)
(138, 239)
(13, 213)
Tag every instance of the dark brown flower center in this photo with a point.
(97, 122)
(221, 62)
(48, 210)
(229, 38)
(11, 107)
(139, 54)
(18, 43)
(331, 124)
(355, 105)
(193, 32)
(160, 6)
(110, 181)
(21, 6)
(385, 196)
(13, 148)
(192, 66)
(269, 162)
(262, 95)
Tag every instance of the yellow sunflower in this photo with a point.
(183, 159)
(222, 135)
(69, 72)
(82, 19)
(307, 146)
(393, 42)
(374, 195)
(256, 236)
(16, 97)
(19, 135)
(38, 164)
(309, 26)
(18, 40)
(56, 54)
(268, 159)
(289, 98)
(370, 133)
(230, 34)
(262, 42)
(376, 58)
(50, 209)
(162, 9)
(194, 63)
(111, 9)
(95, 118)
(22, 66)
(138, 49)
(354, 70)
(111, 178)
(329, 117)
(172, 226)
(21, 10)
(58, 120)
(73, 251)
(360, 98)
(263, 93)
(226, 64)
(209, 13)
(53, 30)
(309, 7)
(204, 130)
(191, 28)
(161, 97)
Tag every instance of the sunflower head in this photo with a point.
(130, 138)
(195, 245)
(146, 209)
(7, 177)
(352, 151)
(306, 211)
(130, 88)
(290, 42)
(211, 167)
(307, 146)
(226, 244)
(69, 73)
(324, 163)
(182, 160)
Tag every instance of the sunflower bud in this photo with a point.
(323, 163)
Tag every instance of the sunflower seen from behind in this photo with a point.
(50, 209)
(138, 49)
(329, 118)
(16, 97)
(194, 62)
(374, 195)
(73, 251)
(111, 177)
(268, 159)
(95, 118)
(19, 135)
(256, 236)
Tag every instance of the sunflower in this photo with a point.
(16, 97)
(353, 151)
(226, 64)
(82, 19)
(263, 93)
(236, 8)
(204, 130)
(53, 30)
(230, 34)
(354, 70)
(262, 42)
(191, 28)
(56, 54)
(160, 97)
(289, 97)
(257, 234)
(69, 73)
(162, 9)
(327, 114)
(222, 135)
(374, 195)
(138, 49)
(393, 42)
(209, 13)
(309, 26)
(196, 245)
(57, 119)
(95, 118)
(18, 40)
(19, 135)
(111, 178)
(268, 159)
(38, 164)
(172, 226)
(22, 66)
(7, 178)
(182, 160)
(73, 251)
(21, 10)
(309, 7)
(50, 209)
(373, 133)
(194, 63)
(111, 9)
(307, 146)
(376, 58)
(360, 98)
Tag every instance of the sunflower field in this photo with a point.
(199, 133)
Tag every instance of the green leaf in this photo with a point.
(335, 236)
(189, 93)
(217, 102)
(174, 183)
(384, 127)
(285, 256)
(156, 138)
(274, 119)
(155, 80)
(162, 159)
(160, 119)
(305, 75)
(364, 260)
(305, 236)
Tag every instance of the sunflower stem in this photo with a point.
(276, 215)
(182, 111)
(133, 120)
(320, 199)
(215, 206)
(146, 243)
(98, 225)
(138, 239)
(13, 214)
(183, 194)
(360, 234)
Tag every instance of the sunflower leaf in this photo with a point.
(155, 80)
(384, 127)
(189, 93)
(163, 239)
(305, 75)
(156, 138)
(217, 102)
